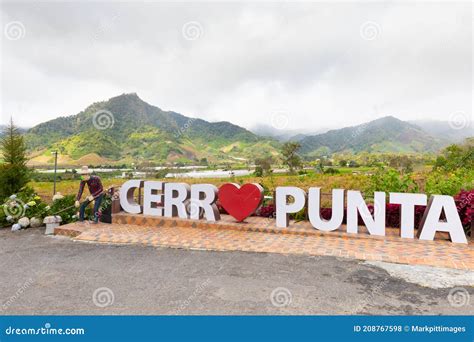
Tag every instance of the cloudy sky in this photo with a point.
(310, 65)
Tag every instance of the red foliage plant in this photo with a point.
(465, 205)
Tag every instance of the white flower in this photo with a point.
(26, 206)
(36, 222)
(57, 196)
(13, 197)
(24, 222)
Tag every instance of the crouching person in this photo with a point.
(96, 193)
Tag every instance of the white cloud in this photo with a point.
(250, 60)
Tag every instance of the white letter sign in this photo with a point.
(314, 209)
(176, 198)
(204, 196)
(202, 200)
(407, 211)
(151, 198)
(356, 204)
(126, 196)
(283, 208)
(431, 219)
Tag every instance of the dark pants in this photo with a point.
(84, 205)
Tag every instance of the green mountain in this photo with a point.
(126, 129)
(387, 134)
(453, 132)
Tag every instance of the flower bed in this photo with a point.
(26, 209)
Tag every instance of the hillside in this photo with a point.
(139, 132)
(387, 134)
(445, 130)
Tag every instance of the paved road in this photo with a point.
(53, 275)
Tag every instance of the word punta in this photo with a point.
(199, 201)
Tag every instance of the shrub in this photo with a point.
(65, 208)
(331, 171)
(449, 183)
(266, 211)
(258, 171)
(465, 205)
(390, 180)
(24, 204)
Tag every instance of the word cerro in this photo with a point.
(199, 201)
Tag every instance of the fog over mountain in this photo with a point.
(452, 131)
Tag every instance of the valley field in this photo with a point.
(326, 182)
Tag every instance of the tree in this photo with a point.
(290, 157)
(258, 171)
(263, 165)
(14, 174)
(403, 163)
(456, 156)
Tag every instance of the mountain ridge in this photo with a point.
(140, 131)
(126, 129)
(386, 134)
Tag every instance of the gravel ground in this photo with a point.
(55, 275)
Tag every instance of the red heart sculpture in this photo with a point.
(240, 202)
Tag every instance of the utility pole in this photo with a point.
(55, 169)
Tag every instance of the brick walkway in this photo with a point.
(259, 235)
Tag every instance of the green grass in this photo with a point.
(326, 182)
